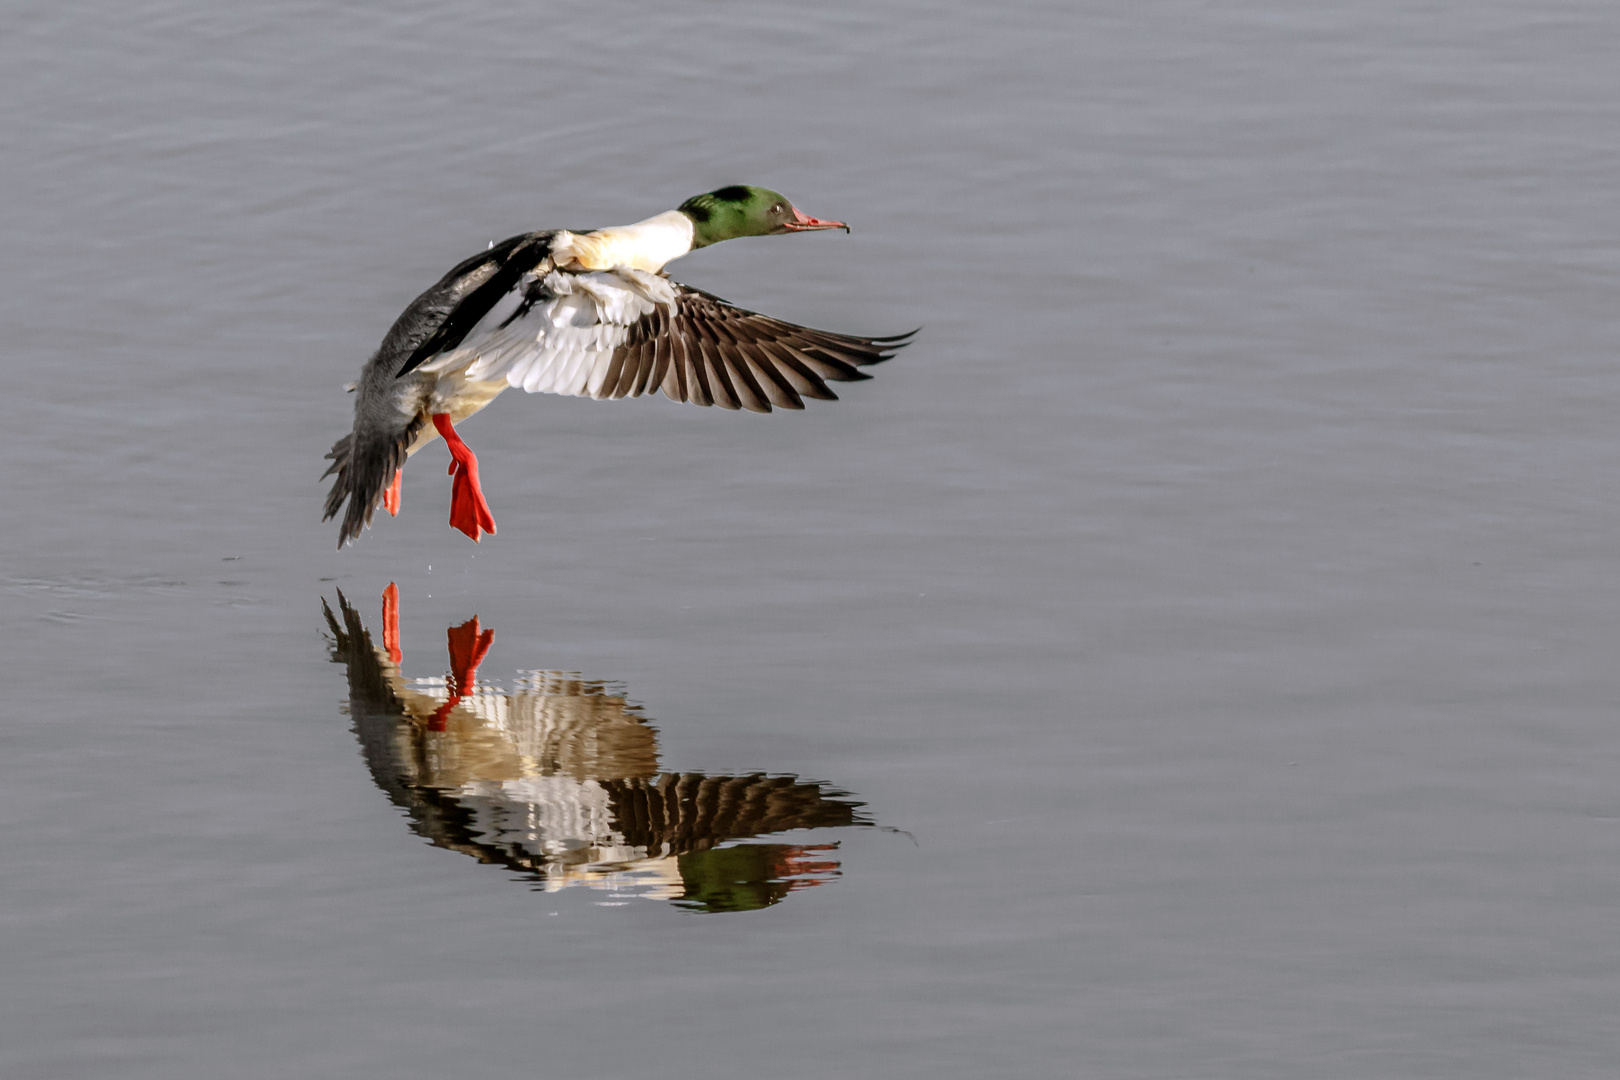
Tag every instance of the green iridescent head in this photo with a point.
(744, 210)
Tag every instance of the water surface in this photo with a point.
(1221, 592)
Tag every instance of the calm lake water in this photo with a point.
(1194, 657)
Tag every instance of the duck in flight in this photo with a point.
(585, 314)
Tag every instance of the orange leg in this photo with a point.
(391, 494)
(468, 510)
(391, 622)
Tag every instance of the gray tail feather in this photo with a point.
(362, 477)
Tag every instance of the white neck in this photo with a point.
(646, 245)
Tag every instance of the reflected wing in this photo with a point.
(622, 333)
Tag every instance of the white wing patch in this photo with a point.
(564, 342)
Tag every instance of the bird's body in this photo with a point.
(583, 314)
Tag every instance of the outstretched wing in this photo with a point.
(623, 332)
(706, 351)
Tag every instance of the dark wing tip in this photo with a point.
(877, 349)
(897, 340)
(893, 343)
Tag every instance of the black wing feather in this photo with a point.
(512, 258)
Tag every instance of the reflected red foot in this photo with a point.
(391, 494)
(391, 622)
(469, 644)
(468, 647)
(468, 510)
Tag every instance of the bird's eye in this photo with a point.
(778, 208)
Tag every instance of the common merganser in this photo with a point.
(580, 313)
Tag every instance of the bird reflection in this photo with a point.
(559, 779)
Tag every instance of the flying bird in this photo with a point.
(588, 313)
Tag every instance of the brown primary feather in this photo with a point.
(710, 352)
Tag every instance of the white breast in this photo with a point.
(646, 245)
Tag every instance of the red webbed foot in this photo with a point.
(468, 510)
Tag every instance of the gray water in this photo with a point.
(1194, 657)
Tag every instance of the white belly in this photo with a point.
(456, 395)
